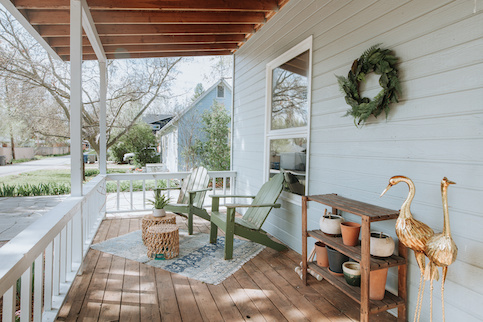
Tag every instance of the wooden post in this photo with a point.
(365, 268)
(76, 164)
(304, 239)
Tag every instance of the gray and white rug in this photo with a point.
(198, 259)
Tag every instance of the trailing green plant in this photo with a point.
(160, 200)
(382, 62)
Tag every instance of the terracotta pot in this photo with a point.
(350, 233)
(352, 273)
(321, 254)
(377, 287)
(330, 224)
(159, 212)
(336, 260)
(382, 245)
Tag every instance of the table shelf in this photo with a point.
(390, 300)
(360, 253)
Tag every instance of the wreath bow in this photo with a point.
(382, 62)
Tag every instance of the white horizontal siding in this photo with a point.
(436, 130)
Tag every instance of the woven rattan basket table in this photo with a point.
(150, 220)
(162, 241)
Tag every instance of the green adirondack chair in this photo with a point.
(249, 226)
(192, 196)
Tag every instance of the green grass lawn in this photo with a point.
(57, 182)
(43, 176)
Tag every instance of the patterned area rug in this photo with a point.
(197, 258)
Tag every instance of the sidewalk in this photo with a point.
(16, 213)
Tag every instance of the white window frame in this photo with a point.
(217, 91)
(288, 133)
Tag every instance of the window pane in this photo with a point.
(290, 155)
(221, 91)
(289, 93)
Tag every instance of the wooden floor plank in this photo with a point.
(186, 301)
(258, 297)
(74, 300)
(305, 306)
(285, 267)
(225, 304)
(130, 298)
(265, 289)
(167, 301)
(148, 294)
(281, 302)
(206, 303)
(111, 303)
(241, 299)
(91, 308)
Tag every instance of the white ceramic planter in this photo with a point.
(382, 245)
(330, 224)
(159, 212)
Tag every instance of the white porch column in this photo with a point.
(76, 97)
(102, 118)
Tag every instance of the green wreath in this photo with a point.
(382, 62)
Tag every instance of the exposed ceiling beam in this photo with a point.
(154, 40)
(90, 29)
(153, 48)
(153, 55)
(186, 5)
(61, 17)
(30, 29)
(113, 30)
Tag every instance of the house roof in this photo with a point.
(153, 118)
(189, 107)
(145, 29)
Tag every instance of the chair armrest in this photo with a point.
(199, 190)
(231, 196)
(274, 205)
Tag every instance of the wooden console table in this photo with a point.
(368, 213)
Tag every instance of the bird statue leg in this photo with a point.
(421, 260)
(443, 279)
(431, 302)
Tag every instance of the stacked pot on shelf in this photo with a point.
(381, 245)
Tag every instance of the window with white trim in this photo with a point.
(220, 91)
(288, 116)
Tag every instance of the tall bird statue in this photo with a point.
(441, 249)
(412, 233)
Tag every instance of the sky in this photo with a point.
(193, 71)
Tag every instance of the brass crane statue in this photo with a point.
(441, 249)
(412, 233)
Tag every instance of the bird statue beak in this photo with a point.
(451, 182)
(385, 190)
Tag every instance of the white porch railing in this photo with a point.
(54, 247)
(131, 191)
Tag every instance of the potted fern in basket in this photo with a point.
(159, 202)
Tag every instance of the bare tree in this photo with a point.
(134, 86)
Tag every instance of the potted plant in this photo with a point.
(159, 202)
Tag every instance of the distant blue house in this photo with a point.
(179, 135)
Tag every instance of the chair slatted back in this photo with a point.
(196, 180)
(268, 194)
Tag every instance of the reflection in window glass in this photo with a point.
(290, 155)
(289, 93)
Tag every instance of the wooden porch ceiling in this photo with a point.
(153, 28)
